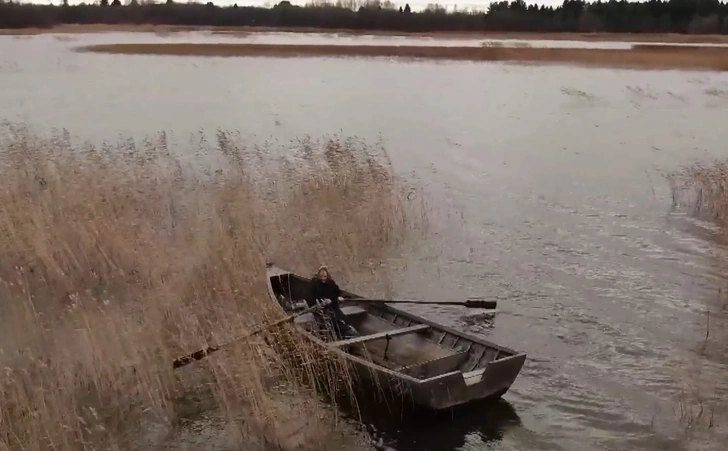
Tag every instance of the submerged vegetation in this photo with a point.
(638, 57)
(115, 259)
(654, 16)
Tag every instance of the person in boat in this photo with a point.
(323, 287)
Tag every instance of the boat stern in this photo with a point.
(456, 388)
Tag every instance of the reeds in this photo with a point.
(115, 259)
(704, 189)
(638, 57)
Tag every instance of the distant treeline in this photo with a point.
(654, 16)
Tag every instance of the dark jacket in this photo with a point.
(326, 290)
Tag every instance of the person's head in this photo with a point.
(323, 274)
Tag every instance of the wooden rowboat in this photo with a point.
(435, 366)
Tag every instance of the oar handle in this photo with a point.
(470, 303)
(197, 355)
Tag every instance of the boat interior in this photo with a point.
(391, 338)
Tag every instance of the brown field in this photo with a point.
(673, 48)
(640, 57)
(162, 29)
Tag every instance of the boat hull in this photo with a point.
(447, 392)
(456, 369)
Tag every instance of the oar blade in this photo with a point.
(481, 303)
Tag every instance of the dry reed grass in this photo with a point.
(115, 259)
(246, 30)
(637, 58)
(704, 189)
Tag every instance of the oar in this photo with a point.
(470, 303)
(202, 353)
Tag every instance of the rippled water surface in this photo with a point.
(549, 181)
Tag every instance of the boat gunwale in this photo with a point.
(411, 316)
(272, 270)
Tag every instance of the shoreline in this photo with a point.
(645, 57)
(245, 30)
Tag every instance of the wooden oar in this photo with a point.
(470, 303)
(202, 353)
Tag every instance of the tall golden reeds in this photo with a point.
(704, 189)
(115, 259)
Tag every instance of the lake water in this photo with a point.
(552, 181)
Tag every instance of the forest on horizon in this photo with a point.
(653, 16)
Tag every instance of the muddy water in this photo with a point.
(546, 184)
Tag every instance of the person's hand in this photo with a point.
(341, 299)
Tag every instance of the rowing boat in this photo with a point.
(433, 365)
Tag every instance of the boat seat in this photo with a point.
(352, 310)
(436, 367)
(473, 377)
(349, 311)
(377, 336)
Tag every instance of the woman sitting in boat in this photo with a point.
(323, 287)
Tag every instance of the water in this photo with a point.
(330, 39)
(549, 184)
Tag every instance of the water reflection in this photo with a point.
(479, 425)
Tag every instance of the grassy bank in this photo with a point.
(116, 259)
(247, 30)
(639, 57)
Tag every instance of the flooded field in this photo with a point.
(548, 189)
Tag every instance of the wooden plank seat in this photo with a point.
(385, 334)
(352, 310)
(349, 311)
(436, 367)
